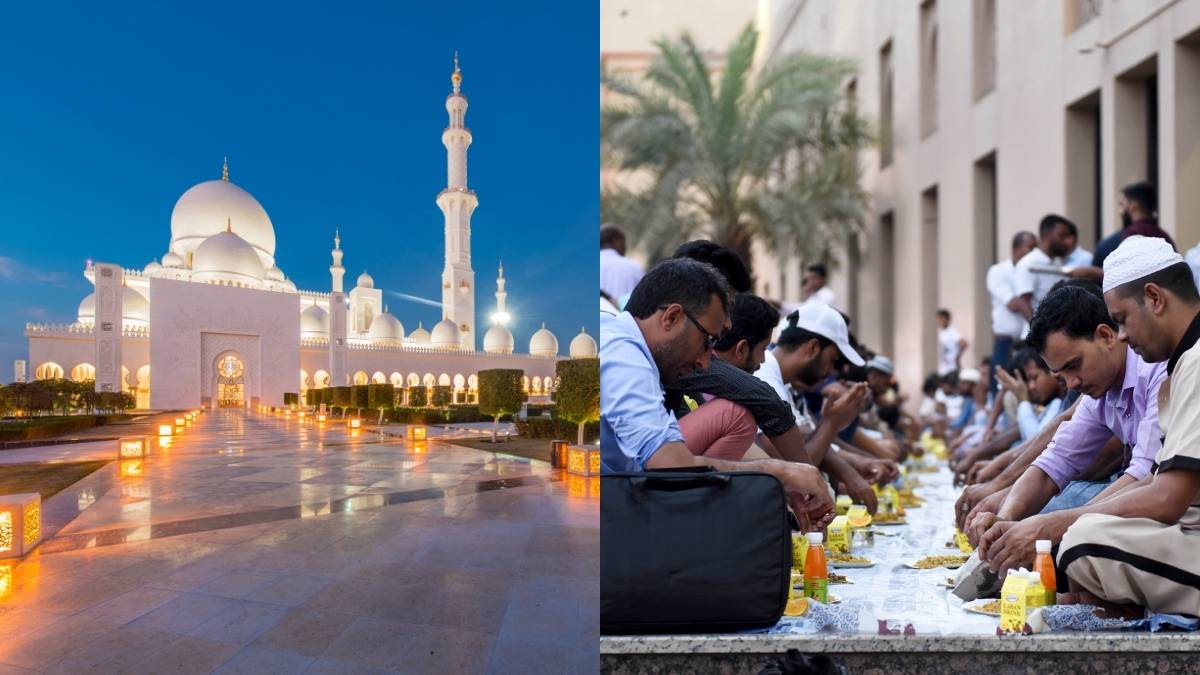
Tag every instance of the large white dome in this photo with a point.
(420, 336)
(314, 322)
(204, 209)
(446, 335)
(543, 343)
(135, 309)
(365, 280)
(225, 256)
(386, 330)
(583, 346)
(498, 340)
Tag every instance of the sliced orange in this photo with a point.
(796, 607)
(859, 521)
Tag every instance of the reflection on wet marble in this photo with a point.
(253, 539)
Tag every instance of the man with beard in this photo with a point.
(1136, 205)
(1138, 547)
(1031, 286)
(1078, 340)
(672, 320)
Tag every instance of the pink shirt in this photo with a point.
(1128, 411)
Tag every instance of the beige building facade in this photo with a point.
(991, 114)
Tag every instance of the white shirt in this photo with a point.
(770, 373)
(1080, 257)
(1005, 322)
(954, 404)
(948, 338)
(618, 274)
(823, 296)
(1037, 283)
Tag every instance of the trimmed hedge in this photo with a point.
(39, 428)
(443, 396)
(541, 427)
(291, 398)
(417, 396)
(381, 396)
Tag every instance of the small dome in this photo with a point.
(151, 267)
(446, 335)
(583, 346)
(386, 330)
(274, 274)
(203, 210)
(172, 259)
(543, 343)
(135, 308)
(225, 256)
(365, 280)
(498, 340)
(420, 336)
(87, 309)
(314, 322)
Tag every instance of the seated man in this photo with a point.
(731, 391)
(1078, 340)
(668, 328)
(1037, 385)
(1139, 547)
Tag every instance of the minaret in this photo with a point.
(501, 316)
(336, 270)
(457, 203)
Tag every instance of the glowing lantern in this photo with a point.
(321, 417)
(558, 454)
(300, 414)
(417, 432)
(6, 581)
(131, 468)
(583, 460)
(20, 523)
(165, 429)
(132, 448)
(355, 423)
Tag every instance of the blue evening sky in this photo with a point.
(330, 113)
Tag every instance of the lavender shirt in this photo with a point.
(1128, 411)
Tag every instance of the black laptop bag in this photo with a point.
(693, 551)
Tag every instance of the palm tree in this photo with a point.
(736, 157)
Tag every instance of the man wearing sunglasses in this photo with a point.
(673, 318)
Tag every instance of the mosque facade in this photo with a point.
(218, 323)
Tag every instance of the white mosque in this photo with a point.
(218, 323)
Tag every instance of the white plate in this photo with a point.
(974, 605)
(849, 565)
(902, 521)
(913, 566)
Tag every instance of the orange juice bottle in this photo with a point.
(1043, 564)
(816, 572)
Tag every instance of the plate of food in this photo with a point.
(988, 606)
(887, 519)
(929, 562)
(846, 560)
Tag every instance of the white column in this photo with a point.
(108, 329)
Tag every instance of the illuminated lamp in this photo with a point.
(321, 417)
(417, 432)
(135, 447)
(583, 460)
(165, 429)
(20, 523)
(355, 423)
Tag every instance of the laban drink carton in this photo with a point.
(1021, 593)
(840, 535)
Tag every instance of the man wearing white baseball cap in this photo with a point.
(806, 351)
(1138, 547)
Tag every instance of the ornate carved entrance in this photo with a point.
(231, 386)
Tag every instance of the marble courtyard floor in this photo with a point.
(258, 544)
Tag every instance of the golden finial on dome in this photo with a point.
(228, 224)
(225, 170)
(456, 77)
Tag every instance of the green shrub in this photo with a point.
(578, 393)
(556, 429)
(417, 396)
(291, 398)
(443, 396)
(381, 396)
(500, 393)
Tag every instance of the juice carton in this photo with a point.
(889, 500)
(840, 535)
(799, 551)
(843, 504)
(1021, 593)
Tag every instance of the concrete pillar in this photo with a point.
(109, 280)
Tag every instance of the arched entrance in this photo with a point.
(231, 382)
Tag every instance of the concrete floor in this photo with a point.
(258, 544)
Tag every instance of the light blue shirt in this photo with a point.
(1030, 423)
(1080, 257)
(634, 423)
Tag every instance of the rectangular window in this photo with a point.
(983, 42)
(886, 92)
(929, 68)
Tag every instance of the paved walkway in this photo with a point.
(258, 544)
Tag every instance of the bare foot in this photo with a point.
(1108, 610)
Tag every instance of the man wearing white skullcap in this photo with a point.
(1142, 550)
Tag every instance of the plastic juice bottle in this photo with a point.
(1043, 564)
(816, 572)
